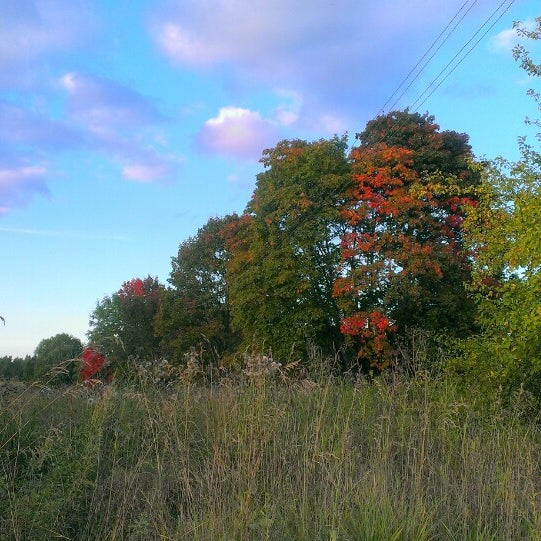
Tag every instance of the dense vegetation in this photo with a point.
(355, 356)
(260, 458)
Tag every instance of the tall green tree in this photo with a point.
(53, 352)
(122, 325)
(195, 308)
(505, 232)
(285, 250)
(403, 257)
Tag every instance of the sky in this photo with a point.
(126, 125)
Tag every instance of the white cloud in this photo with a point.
(237, 132)
(143, 172)
(505, 40)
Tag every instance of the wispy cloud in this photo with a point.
(30, 29)
(100, 115)
(342, 56)
(102, 105)
(505, 40)
(66, 234)
(20, 126)
(144, 172)
(117, 118)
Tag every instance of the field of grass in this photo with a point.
(412, 459)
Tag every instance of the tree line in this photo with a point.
(348, 250)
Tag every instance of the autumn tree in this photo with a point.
(404, 263)
(195, 308)
(122, 325)
(285, 250)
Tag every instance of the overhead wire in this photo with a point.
(382, 110)
(511, 2)
(418, 102)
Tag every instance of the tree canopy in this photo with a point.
(122, 325)
(53, 352)
(286, 252)
(194, 312)
(403, 257)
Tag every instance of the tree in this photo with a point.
(53, 352)
(195, 310)
(404, 263)
(122, 325)
(285, 250)
(505, 232)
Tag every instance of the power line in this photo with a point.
(419, 100)
(426, 54)
(511, 2)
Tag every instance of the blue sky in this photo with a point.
(125, 125)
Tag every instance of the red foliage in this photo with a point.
(405, 233)
(92, 364)
(132, 288)
(373, 330)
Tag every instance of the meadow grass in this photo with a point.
(397, 459)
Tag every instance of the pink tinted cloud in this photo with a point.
(102, 105)
(237, 132)
(18, 185)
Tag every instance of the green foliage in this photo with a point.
(122, 325)
(194, 312)
(17, 368)
(505, 232)
(527, 63)
(58, 352)
(285, 251)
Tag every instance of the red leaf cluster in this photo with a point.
(373, 330)
(92, 363)
(132, 288)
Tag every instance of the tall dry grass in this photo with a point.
(406, 458)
